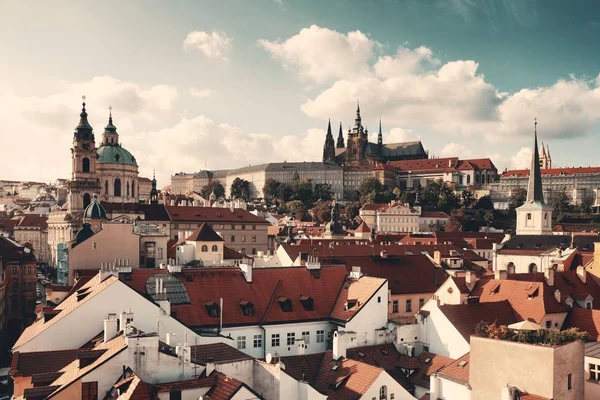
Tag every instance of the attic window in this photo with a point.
(247, 308)
(427, 360)
(285, 304)
(307, 302)
(462, 364)
(335, 367)
(350, 303)
(212, 308)
(316, 274)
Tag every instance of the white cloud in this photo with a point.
(456, 150)
(42, 132)
(212, 44)
(200, 93)
(321, 54)
(521, 160)
(413, 89)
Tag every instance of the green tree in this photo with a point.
(240, 189)
(271, 188)
(489, 218)
(586, 203)
(409, 197)
(303, 190)
(298, 209)
(321, 212)
(437, 195)
(368, 190)
(467, 198)
(208, 189)
(484, 203)
(397, 192)
(561, 202)
(517, 198)
(352, 211)
(285, 192)
(323, 192)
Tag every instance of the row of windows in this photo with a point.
(408, 305)
(14, 270)
(243, 239)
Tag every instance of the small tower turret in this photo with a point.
(340, 140)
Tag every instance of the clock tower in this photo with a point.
(84, 182)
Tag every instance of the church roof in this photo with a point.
(115, 154)
(205, 234)
(94, 210)
(534, 187)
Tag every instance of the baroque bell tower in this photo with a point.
(84, 182)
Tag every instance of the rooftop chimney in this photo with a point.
(246, 269)
(500, 274)
(470, 280)
(339, 345)
(557, 295)
(581, 273)
(549, 276)
(355, 274)
(437, 257)
(110, 327)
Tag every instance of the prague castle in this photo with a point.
(359, 151)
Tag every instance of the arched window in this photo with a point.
(460, 179)
(85, 165)
(127, 189)
(106, 188)
(132, 188)
(117, 191)
(86, 200)
(204, 248)
(476, 177)
(510, 268)
(468, 179)
(533, 268)
(383, 393)
(215, 248)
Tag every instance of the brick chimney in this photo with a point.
(549, 276)
(500, 274)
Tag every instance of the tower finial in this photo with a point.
(358, 107)
(535, 125)
(110, 114)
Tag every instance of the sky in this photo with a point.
(224, 84)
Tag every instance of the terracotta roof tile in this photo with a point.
(39, 362)
(360, 291)
(204, 233)
(212, 284)
(33, 221)
(429, 364)
(305, 367)
(586, 320)
(528, 299)
(217, 353)
(224, 388)
(349, 381)
(457, 370)
(212, 215)
(465, 317)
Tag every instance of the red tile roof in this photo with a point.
(40, 362)
(305, 367)
(212, 215)
(363, 228)
(465, 317)
(204, 233)
(434, 214)
(360, 290)
(553, 171)
(349, 381)
(429, 364)
(224, 388)
(586, 320)
(374, 206)
(458, 370)
(217, 353)
(528, 299)
(569, 284)
(405, 274)
(33, 221)
(212, 284)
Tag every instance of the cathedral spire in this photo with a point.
(534, 187)
(358, 120)
(110, 135)
(84, 131)
(329, 146)
(154, 191)
(340, 140)
(380, 135)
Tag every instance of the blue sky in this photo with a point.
(257, 80)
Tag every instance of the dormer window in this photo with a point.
(247, 308)
(212, 308)
(350, 303)
(307, 303)
(285, 304)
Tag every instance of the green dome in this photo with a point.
(115, 154)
